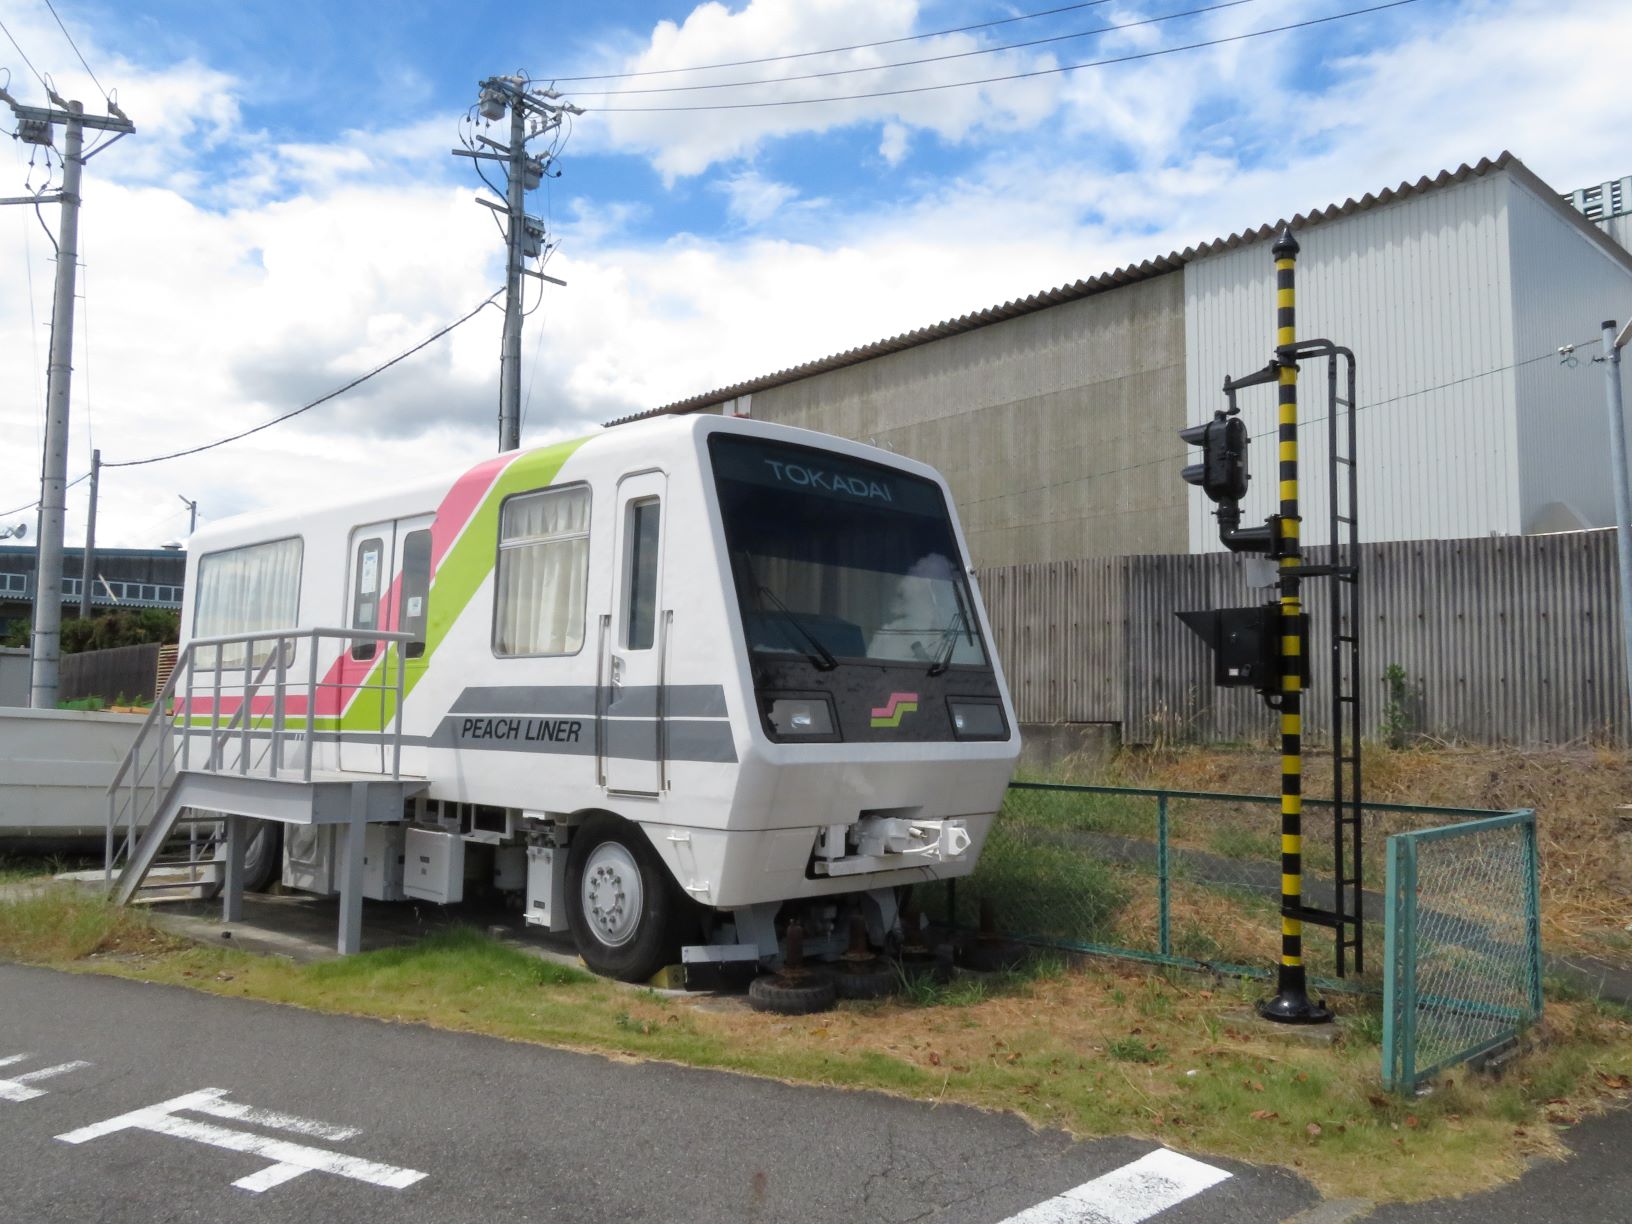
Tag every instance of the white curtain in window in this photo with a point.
(246, 589)
(543, 573)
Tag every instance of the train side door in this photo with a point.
(389, 590)
(409, 612)
(359, 698)
(635, 641)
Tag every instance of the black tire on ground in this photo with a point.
(993, 955)
(263, 856)
(796, 994)
(866, 979)
(624, 875)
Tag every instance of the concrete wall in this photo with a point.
(1045, 425)
(55, 767)
(16, 672)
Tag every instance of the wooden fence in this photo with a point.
(1499, 640)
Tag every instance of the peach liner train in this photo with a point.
(663, 684)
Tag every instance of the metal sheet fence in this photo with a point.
(1463, 959)
(1505, 640)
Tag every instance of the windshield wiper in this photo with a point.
(819, 655)
(949, 637)
(948, 646)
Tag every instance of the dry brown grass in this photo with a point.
(1586, 843)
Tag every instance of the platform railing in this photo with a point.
(260, 729)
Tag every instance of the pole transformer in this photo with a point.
(533, 113)
(35, 125)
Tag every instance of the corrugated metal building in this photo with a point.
(1054, 417)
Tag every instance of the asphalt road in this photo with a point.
(500, 1131)
(121, 1101)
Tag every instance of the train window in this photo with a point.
(543, 573)
(640, 582)
(367, 578)
(242, 590)
(416, 590)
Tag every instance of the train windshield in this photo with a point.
(841, 560)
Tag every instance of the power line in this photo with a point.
(26, 60)
(1180, 456)
(322, 399)
(928, 59)
(1014, 76)
(30, 505)
(883, 42)
(77, 52)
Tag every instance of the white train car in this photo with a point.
(690, 669)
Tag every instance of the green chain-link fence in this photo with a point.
(1463, 958)
(1172, 877)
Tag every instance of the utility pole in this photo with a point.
(533, 113)
(35, 125)
(1623, 497)
(192, 513)
(87, 569)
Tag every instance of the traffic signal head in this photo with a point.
(1222, 472)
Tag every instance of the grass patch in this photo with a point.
(51, 924)
(1095, 1049)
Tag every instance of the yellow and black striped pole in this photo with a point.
(1291, 1004)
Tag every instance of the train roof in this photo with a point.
(424, 495)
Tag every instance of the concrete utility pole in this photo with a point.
(35, 125)
(1623, 497)
(87, 568)
(525, 236)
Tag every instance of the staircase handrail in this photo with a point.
(161, 715)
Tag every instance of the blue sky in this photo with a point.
(289, 214)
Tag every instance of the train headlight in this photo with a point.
(979, 720)
(801, 716)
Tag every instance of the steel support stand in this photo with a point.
(232, 888)
(1291, 1004)
(351, 872)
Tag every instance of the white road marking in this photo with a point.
(290, 1160)
(277, 1121)
(1129, 1195)
(17, 1087)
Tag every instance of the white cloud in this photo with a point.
(215, 303)
(682, 143)
(754, 199)
(892, 144)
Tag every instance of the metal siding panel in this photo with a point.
(1563, 287)
(1417, 290)
(1511, 639)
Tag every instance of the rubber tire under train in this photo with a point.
(665, 915)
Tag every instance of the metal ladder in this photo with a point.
(1342, 566)
(1345, 624)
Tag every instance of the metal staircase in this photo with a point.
(232, 736)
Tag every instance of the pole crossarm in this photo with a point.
(47, 114)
